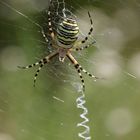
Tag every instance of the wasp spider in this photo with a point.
(63, 40)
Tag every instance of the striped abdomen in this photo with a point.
(67, 33)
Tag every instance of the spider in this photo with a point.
(63, 40)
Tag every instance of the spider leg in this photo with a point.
(86, 72)
(81, 77)
(40, 67)
(86, 38)
(90, 31)
(31, 65)
(79, 69)
(43, 34)
(50, 27)
(41, 63)
(50, 21)
(84, 47)
(47, 58)
(76, 65)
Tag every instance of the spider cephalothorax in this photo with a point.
(63, 40)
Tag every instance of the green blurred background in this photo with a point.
(113, 103)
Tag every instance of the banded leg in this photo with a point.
(76, 65)
(31, 65)
(80, 75)
(37, 72)
(90, 31)
(41, 63)
(50, 22)
(47, 58)
(79, 69)
(89, 74)
(43, 34)
(85, 47)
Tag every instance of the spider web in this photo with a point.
(49, 111)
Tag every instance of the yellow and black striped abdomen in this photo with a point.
(67, 33)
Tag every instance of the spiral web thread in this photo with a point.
(80, 104)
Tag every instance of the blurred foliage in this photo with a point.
(33, 113)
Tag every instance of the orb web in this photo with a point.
(49, 110)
